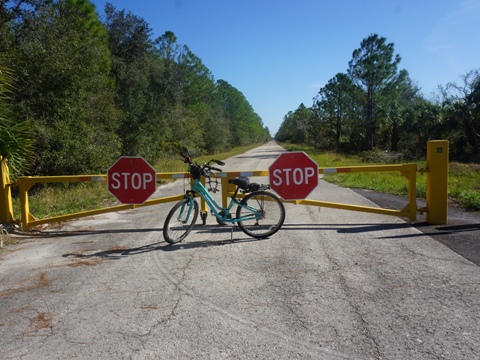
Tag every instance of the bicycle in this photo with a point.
(259, 213)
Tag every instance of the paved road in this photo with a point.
(331, 284)
(461, 234)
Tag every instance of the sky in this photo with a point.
(280, 53)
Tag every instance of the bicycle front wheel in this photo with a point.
(262, 214)
(180, 220)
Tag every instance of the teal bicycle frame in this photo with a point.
(258, 214)
(198, 187)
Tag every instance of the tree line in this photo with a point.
(77, 91)
(375, 105)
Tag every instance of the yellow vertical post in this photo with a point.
(23, 187)
(6, 207)
(437, 182)
(224, 192)
(412, 191)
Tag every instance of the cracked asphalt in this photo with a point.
(331, 284)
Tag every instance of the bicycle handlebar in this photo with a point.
(197, 169)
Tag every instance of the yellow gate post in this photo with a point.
(6, 208)
(437, 182)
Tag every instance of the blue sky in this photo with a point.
(279, 53)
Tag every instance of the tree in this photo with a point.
(16, 137)
(295, 125)
(286, 131)
(373, 68)
(463, 108)
(92, 91)
(62, 64)
(246, 126)
(198, 79)
(301, 117)
(422, 121)
(173, 74)
(400, 95)
(138, 75)
(15, 20)
(334, 104)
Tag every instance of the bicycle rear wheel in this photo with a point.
(264, 214)
(180, 220)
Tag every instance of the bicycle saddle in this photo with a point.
(242, 182)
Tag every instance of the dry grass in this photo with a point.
(31, 283)
(86, 262)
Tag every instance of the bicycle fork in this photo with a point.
(186, 208)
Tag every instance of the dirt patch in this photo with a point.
(40, 321)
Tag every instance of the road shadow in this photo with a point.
(347, 228)
(461, 234)
(36, 234)
(120, 252)
(273, 156)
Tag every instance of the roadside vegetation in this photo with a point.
(83, 89)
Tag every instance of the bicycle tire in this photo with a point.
(271, 208)
(180, 221)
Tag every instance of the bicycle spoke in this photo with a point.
(262, 214)
(180, 221)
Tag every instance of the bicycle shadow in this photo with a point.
(200, 231)
(188, 244)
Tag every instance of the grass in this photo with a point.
(464, 179)
(464, 185)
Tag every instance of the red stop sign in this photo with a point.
(293, 175)
(131, 180)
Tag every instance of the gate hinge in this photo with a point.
(423, 210)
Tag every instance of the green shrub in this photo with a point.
(470, 200)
